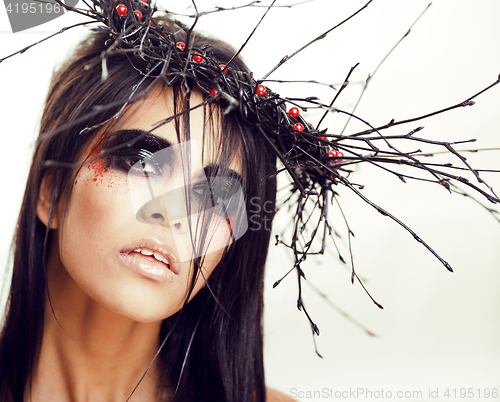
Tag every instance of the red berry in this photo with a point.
(261, 90)
(180, 45)
(213, 92)
(323, 138)
(294, 112)
(298, 127)
(334, 153)
(121, 9)
(222, 67)
(198, 57)
(139, 14)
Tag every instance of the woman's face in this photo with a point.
(127, 236)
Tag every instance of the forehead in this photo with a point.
(149, 114)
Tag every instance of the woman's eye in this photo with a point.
(224, 188)
(136, 165)
(149, 168)
(218, 191)
(201, 191)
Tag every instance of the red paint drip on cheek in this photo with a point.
(98, 168)
(112, 180)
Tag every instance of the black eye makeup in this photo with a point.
(153, 160)
(132, 151)
(217, 188)
(133, 148)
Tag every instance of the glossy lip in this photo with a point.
(149, 266)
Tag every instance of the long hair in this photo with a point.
(217, 336)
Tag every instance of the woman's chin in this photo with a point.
(137, 299)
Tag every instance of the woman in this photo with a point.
(374, 364)
(116, 294)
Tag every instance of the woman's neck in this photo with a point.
(89, 353)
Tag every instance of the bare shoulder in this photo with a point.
(275, 396)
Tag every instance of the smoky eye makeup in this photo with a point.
(213, 170)
(220, 186)
(132, 148)
(219, 190)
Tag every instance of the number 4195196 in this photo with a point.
(471, 393)
(33, 8)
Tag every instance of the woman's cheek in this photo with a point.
(99, 200)
(207, 241)
(220, 232)
(101, 174)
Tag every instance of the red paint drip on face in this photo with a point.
(98, 166)
(97, 150)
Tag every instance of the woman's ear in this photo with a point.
(44, 202)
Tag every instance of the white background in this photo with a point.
(439, 330)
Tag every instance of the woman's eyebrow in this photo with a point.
(138, 139)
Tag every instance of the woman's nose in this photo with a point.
(166, 209)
